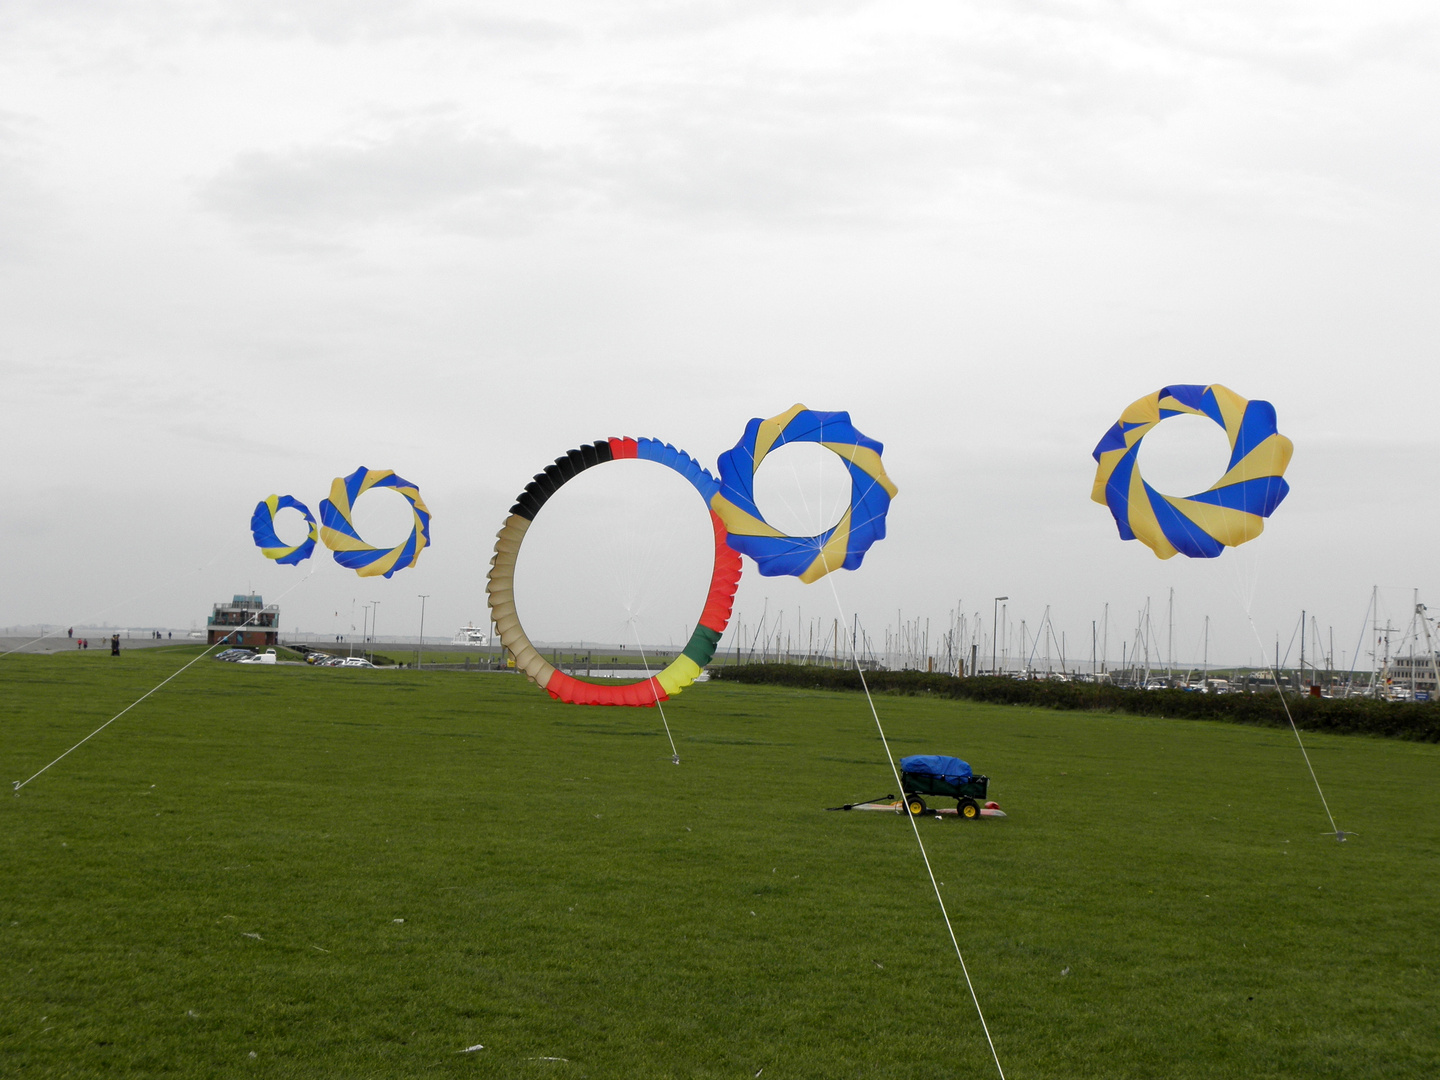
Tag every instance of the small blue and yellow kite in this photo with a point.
(262, 528)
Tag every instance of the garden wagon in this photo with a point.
(947, 777)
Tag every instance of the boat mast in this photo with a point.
(1375, 633)
(1302, 648)
(1170, 641)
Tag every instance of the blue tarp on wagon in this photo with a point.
(951, 769)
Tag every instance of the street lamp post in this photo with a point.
(374, 615)
(420, 653)
(995, 632)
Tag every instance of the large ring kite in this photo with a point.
(501, 580)
(807, 557)
(262, 527)
(1229, 512)
(337, 529)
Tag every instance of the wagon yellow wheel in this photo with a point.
(917, 805)
(969, 809)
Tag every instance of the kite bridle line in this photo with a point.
(18, 784)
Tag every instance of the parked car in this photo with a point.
(234, 656)
(356, 661)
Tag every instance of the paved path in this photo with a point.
(61, 643)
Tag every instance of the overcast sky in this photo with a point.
(245, 248)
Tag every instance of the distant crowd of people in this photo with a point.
(84, 643)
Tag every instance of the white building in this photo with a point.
(1413, 673)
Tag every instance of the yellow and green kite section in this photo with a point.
(1226, 514)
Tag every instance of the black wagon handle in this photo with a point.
(852, 805)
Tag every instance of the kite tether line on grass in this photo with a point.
(1245, 594)
(21, 783)
(674, 754)
(18, 784)
(890, 758)
(1275, 675)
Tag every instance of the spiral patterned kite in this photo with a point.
(1226, 514)
(337, 530)
(809, 558)
(262, 527)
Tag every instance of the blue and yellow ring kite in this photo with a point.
(809, 558)
(1226, 514)
(337, 530)
(262, 527)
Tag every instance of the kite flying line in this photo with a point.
(872, 495)
(1229, 513)
(174, 675)
(1275, 675)
(21, 783)
(674, 754)
(890, 759)
(1245, 594)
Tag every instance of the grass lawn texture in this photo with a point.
(292, 872)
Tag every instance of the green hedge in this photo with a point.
(1419, 722)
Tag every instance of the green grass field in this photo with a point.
(292, 872)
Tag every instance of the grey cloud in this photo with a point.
(902, 134)
(659, 19)
(1070, 102)
(346, 20)
(489, 180)
(1299, 45)
(23, 202)
(771, 157)
(332, 21)
(776, 165)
